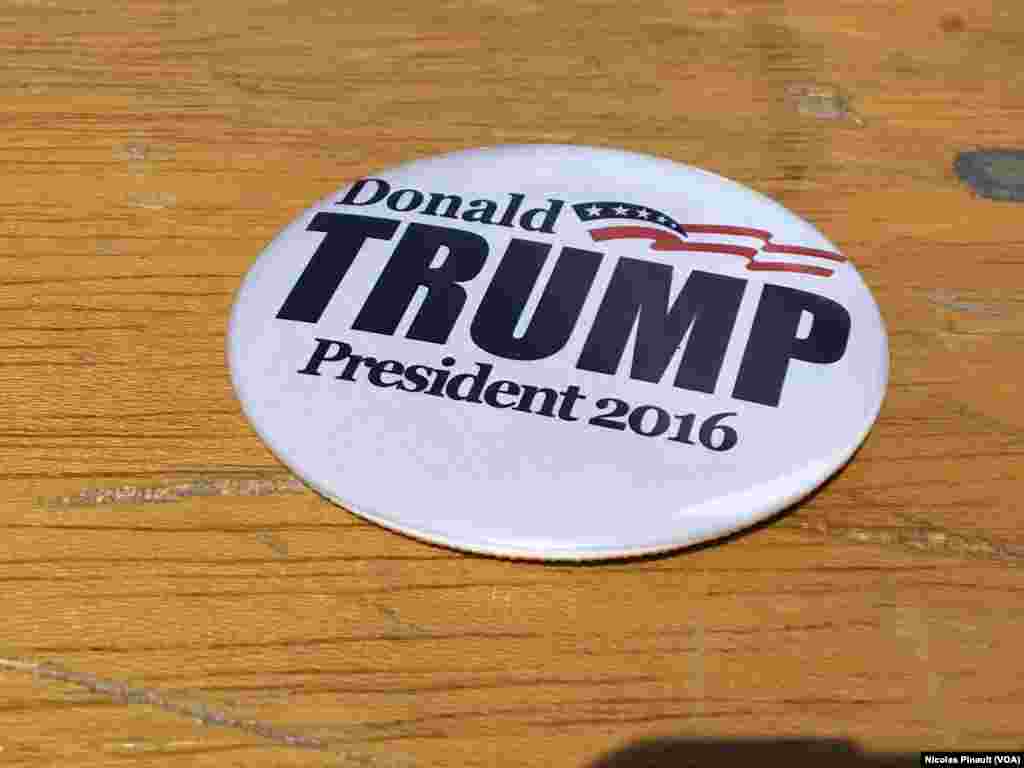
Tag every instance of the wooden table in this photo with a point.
(172, 596)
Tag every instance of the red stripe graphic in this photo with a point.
(670, 241)
(782, 266)
(716, 229)
(799, 250)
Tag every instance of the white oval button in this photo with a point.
(557, 352)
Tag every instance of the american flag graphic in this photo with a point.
(625, 221)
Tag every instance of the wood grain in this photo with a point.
(172, 597)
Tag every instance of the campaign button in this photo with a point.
(557, 352)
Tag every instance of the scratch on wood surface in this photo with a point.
(918, 535)
(138, 151)
(696, 657)
(154, 200)
(149, 745)
(161, 494)
(400, 624)
(955, 301)
(822, 101)
(126, 694)
(984, 421)
(275, 543)
(914, 628)
(198, 710)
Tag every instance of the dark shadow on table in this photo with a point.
(745, 753)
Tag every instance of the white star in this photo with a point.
(643, 213)
(662, 219)
(593, 211)
(621, 211)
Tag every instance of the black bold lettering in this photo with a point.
(409, 268)
(477, 382)
(497, 388)
(325, 354)
(556, 312)
(352, 365)
(436, 198)
(706, 307)
(415, 381)
(509, 216)
(382, 367)
(481, 210)
(570, 396)
(548, 216)
(375, 196)
(346, 233)
(415, 200)
(530, 393)
(437, 388)
(773, 340)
